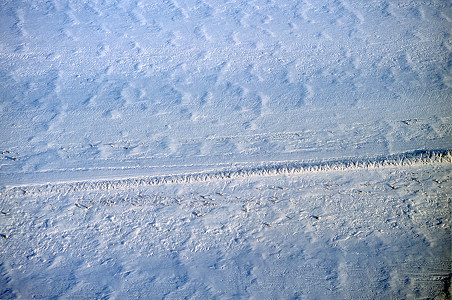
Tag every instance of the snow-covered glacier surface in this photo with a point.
(225, 149)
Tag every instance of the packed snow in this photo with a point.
(204, 149)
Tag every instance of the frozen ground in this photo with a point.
(225, 149)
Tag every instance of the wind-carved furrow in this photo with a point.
(419, 157)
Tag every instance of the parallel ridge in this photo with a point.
(418, 157)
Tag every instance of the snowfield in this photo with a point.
(208, 149)
(354, 234)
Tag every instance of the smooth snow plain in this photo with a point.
(206, 149)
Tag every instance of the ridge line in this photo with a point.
(418, 157)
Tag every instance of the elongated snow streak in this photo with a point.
(421, 157)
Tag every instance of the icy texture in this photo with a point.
(235, 149)
(366, 234)
(111, 84)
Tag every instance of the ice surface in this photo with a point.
(369, 233)
(95, 85)
(98, 94)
